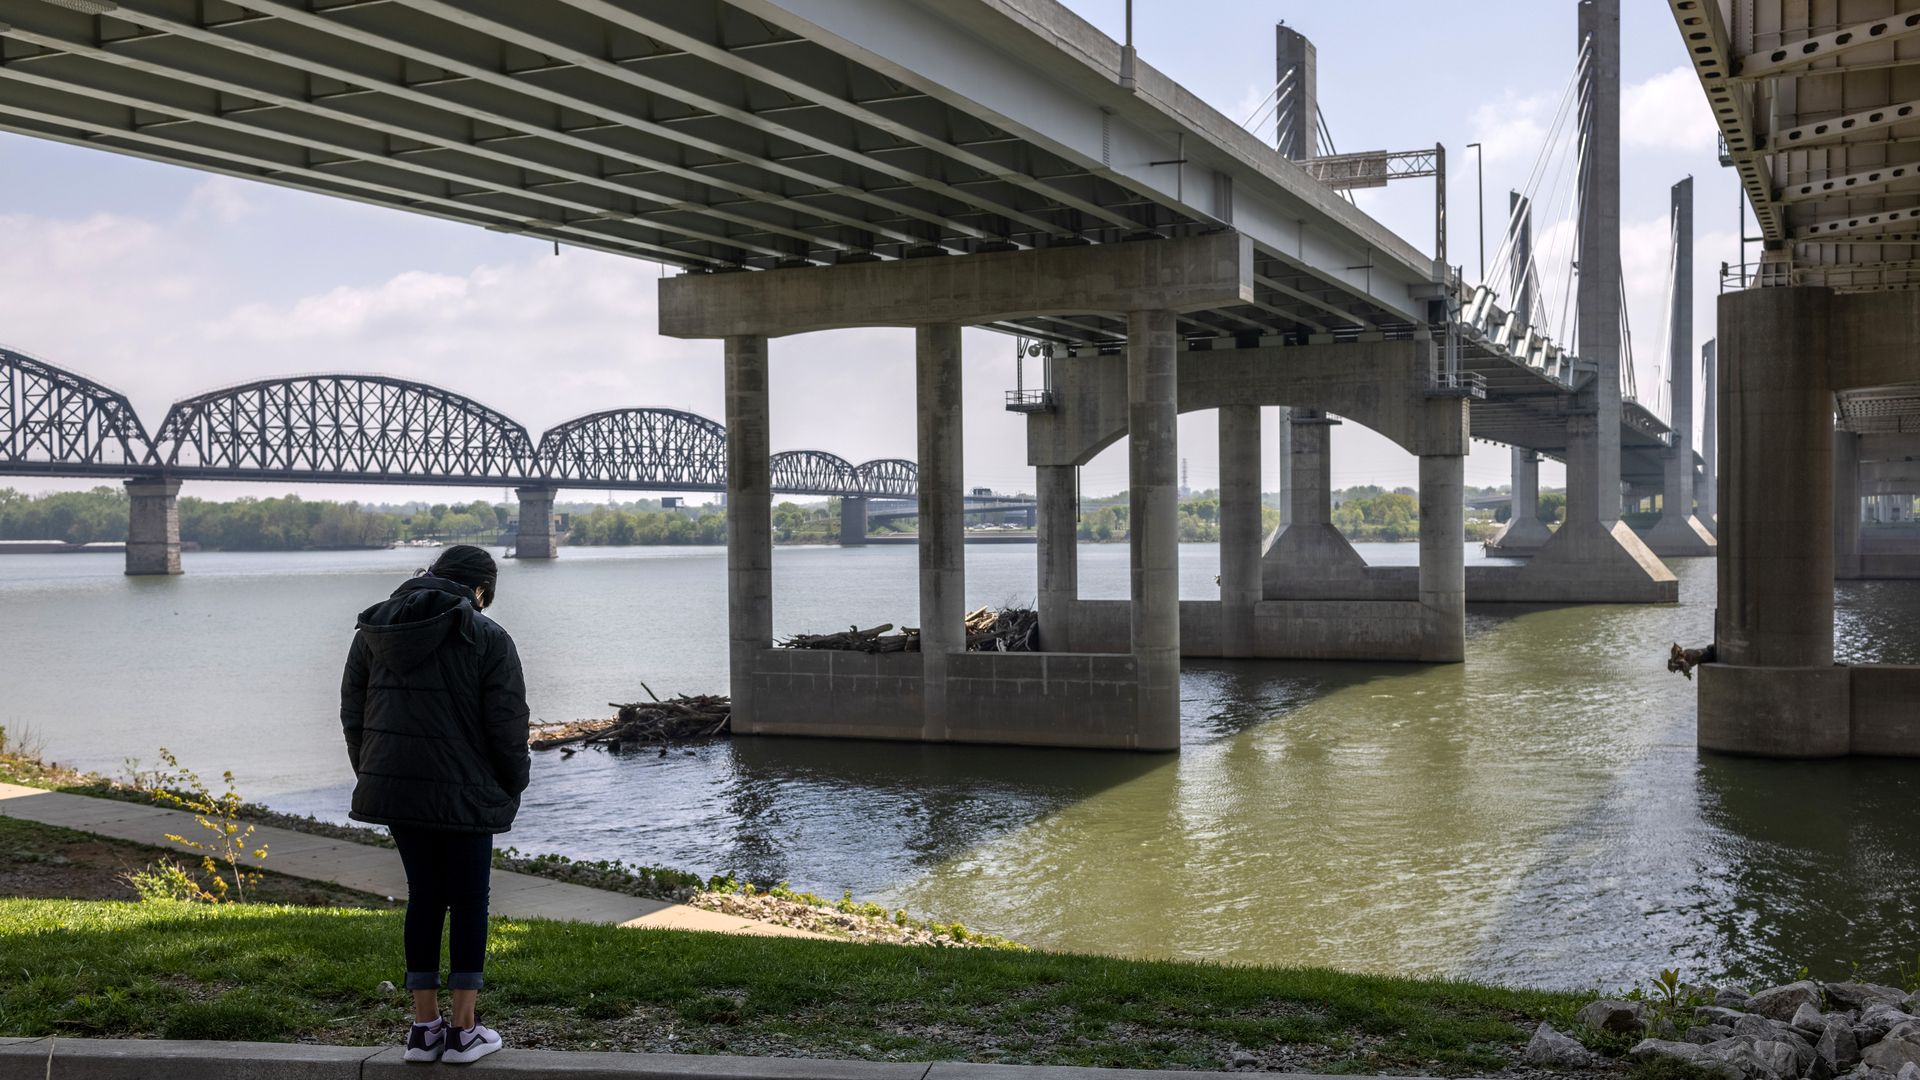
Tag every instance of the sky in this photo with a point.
(164, 282)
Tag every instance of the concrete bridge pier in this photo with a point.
(1846, 506)
(1789, 508)
(853, 521)
(153, 527)
(1524, 532)
(1240, 531)
(749, 524)
(1443, 557)
(943, 526)
(1309, 545)
(1121, 690)
(1058, 543)
(537, 539)
(1153, 522)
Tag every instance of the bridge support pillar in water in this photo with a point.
(1153, 522)
(153, 527)
(853, 521)
(1774, 689)
(1057, 530)
(749, 523)
(943, 525)
(1122, 689)
(1240, 532)
(1524, 532)
(537, 539)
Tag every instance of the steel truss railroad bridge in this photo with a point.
(373, 429)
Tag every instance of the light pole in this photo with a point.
(1480, 204)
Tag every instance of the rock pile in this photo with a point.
(1801, 1031)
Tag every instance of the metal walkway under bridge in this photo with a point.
(370, 429)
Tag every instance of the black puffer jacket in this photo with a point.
(435, 712)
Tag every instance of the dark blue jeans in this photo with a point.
(447, 883)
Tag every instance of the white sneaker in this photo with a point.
(470, 1044)
(426, 1042)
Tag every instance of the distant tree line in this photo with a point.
(287, 523)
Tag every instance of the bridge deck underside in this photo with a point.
(725, 134)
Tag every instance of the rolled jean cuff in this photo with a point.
(423, 980)
(466, 980)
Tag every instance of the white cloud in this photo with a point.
(1514, 127)
(223, 200)
(1667, 112)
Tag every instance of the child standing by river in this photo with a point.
(434, 707)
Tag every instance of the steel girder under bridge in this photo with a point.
(371, 429)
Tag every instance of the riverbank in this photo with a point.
(770, 903)
(278, 973)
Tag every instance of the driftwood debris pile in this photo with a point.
(988, 630)
(643, 724)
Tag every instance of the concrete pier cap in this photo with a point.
(1180, 275)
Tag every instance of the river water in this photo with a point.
(1538, 814)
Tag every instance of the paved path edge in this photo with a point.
(155, 1059)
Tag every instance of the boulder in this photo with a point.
(1877, 1020)
(1755, 1026)
(1716, 1014)
(1808, 1021)
(1648, 1049)
(1905, 1029)
(1610, 1017)
(1909, 1071)
(1731, 997)
(1702, 1034)
(1891, 1055)
(1837, 1046)
(1757, 1059)
(1550, 1049)
(1781, 1002)
(1852, 995)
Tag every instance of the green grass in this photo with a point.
(106, 969)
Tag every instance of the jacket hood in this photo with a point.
(403, 630)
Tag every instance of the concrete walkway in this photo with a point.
(156, 1059)
(373, 869)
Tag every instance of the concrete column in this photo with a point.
(1524, 531)
(749, 522)
(853, 521)
(1312, 464)
(1679, 532)
(1846, 505)
(1153, 526)
(1240, 533)
(1776, 539)
(943, 602)
(1058, 540)
(153, 527)
(537, 539)
(1286, 466)
(1709, 513)
(1599, 247)
(1443, 558)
